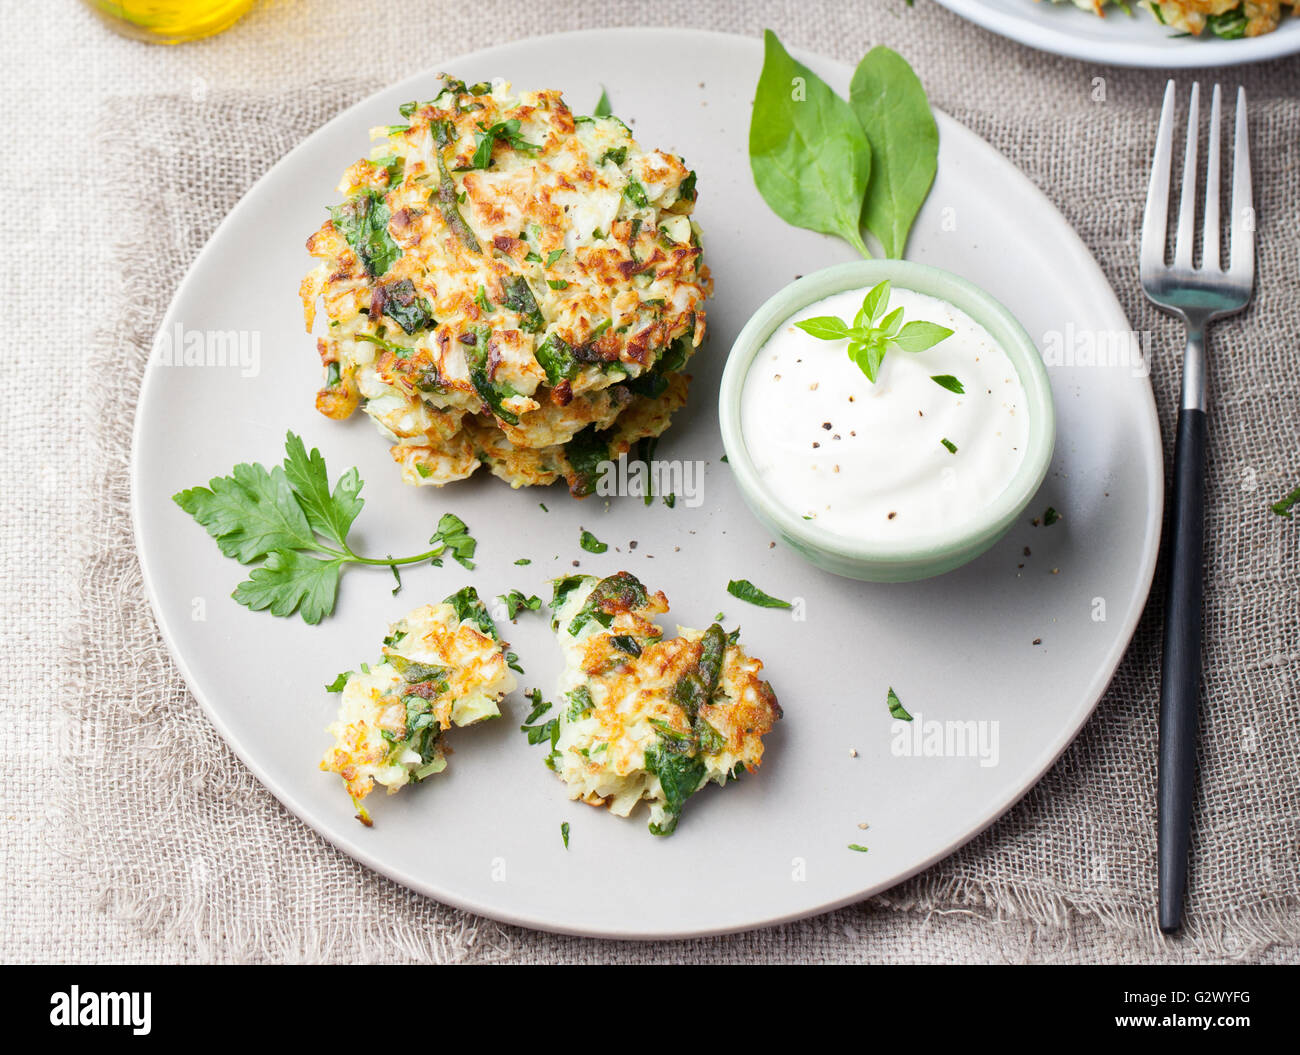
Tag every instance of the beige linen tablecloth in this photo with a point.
(130, 832)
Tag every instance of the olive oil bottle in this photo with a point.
(170, 21)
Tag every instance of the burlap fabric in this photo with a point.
(131, 832)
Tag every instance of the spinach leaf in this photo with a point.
(405, 307)
(891, 105)
(1229, 25)
(680, 777)
(747, 591)
(492, 394)
(810, 158)
(448, 204)
(363, 222)
(620, 592)
(556, 357)
(520, 299)
(586, 453)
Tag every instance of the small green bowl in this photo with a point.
(894, 561)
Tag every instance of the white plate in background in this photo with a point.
(1117, 39)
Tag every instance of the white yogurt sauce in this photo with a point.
(867, 461)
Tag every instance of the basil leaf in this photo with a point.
(917, 336)
(873, 304)
(809, 156)
(890, 103)
(824, 327)
(949, 382)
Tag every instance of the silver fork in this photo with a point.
(1197, 295)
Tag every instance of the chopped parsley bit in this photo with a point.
(591, 543)
(949, 382)
(557, 283)
(541, 732)
(896, 708)
(453, 535)
(564, 834)
(719, 617)
(522, 561)
(543, 505)
(725, 460)
(516, 602)
(396, 575)
(480, 298)
(670, 501)
(952, 447)
(337, 684)
(858, 847)
(1283, 507)
(747, 591)
(553, 256)
(512, 661)
(1050, 517)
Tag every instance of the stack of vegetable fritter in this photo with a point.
(506, 283)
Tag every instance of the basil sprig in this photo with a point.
(873, 332)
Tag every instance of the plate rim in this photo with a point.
(1033, 31)
(346, 844)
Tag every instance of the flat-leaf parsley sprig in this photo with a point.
(875, 330)
(288, 518)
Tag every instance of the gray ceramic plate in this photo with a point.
(485, 834)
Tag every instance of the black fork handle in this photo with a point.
(1180, 681)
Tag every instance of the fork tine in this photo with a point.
(1242, 266)
(1210, 257)
(1156, 217)
(1186, 238)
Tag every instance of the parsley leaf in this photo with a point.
(454, 537)
(291, 581)
(290, 519)
(591, 543)
(896, 708)
(1282, 507)
(515, 602)
(329, 514)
